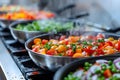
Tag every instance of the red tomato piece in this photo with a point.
(99, 51)
(109, 43)
(66, 42)
(51, 52)
(89, 50)
(69, 52)
(107, 73)
(44, 41)
(117, 45)
(101, 45)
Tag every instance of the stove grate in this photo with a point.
(22, 59)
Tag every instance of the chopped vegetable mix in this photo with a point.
(77, 46)
(45, 26)
(23, 14)
(100, 70)
(11, 8)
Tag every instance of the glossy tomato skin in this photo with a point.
(66, 42)
(89, 50)
(69, 52)
(107, 73)
(109, 43)
(117, 45)
(100, 45)
(44, 41)
(99, 51)
(51, 52)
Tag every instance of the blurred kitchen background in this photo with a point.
(103, 12)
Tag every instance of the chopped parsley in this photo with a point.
(84, 42)
(60, 54)
(47, 46)
(73, 47)
(101, 40)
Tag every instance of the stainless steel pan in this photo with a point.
(54, 62)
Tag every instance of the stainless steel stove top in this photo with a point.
(9, 67)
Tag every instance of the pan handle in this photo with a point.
(65, 8)
(80, 15)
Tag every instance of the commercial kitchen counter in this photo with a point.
(8, 66)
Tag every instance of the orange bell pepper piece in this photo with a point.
(77, 55)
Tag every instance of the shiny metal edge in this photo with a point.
(9, 67)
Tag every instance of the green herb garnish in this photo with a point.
(73, 47)
(84, 42)
(47, 46)
(101, 40)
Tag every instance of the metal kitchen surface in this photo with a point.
(15, 61)
(10, 69)
(8, 66)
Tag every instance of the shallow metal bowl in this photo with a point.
(46, 61)
(54, 62)
(20, 35)
(71, 67)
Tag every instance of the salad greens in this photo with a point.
(45, 26)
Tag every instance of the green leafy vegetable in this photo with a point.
(45, 26)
